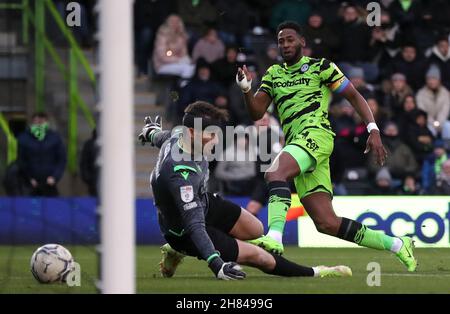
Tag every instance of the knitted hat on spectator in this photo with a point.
(434, 72)
(398, 76)
(383, 174)
(355, 72)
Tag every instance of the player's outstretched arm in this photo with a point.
(374, 143)
(258, 103)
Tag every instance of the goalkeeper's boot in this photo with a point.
(269, 244)
(334, 271)
(170, 261)
(405, 254)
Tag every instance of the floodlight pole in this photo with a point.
(117, 192)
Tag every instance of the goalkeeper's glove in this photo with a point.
(244, 80)
(150, 129)
(226, 271)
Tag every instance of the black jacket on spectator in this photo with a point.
(198, 90)
(443, 63)
(88, 164)
(322, 41)
(412, 134)
(414, 71)
(41, 159)
(401, 160)
(406, 19)
(349, 143)
(354, 41)
(224, 72)
(405, 120)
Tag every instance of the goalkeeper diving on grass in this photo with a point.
(197, 223)
(301, 90)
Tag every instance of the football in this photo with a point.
(51, 263)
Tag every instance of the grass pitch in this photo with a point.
(432, 276)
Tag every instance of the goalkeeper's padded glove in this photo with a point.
(226, 271)
(243, 82)
(150, 129)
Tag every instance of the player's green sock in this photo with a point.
(354, 231)
(279, 203)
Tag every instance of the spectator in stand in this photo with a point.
(148, 16)
(397, 93)
(440, 56)
(210, 47)
(270, 143)
(434, 99)
(354, 37)
(442, 186)
(233, 21)
(170, 56)
(418, 136)
(432, 166)
(224, 69)
(407, 116)
(328, 9)
(292, 10)
(238, 169)
(89, 167)
(385, 40)
(222, 101)
(406, 13)
(401, 161)
(197, 15)
(202, 87)
(271, 57)
(409, 64)
(350, 136)
(383, 183)
(356, 76)
(320, 37)
(380, 114)
(409, 187)
(41, 157)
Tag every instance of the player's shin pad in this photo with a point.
(279, 203)
(354, 231)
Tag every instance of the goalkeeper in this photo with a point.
(300, 89)
(202, 224)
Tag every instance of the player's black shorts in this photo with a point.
(221, 217)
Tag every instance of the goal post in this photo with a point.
(117, 190)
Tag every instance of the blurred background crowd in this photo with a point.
(190, 50)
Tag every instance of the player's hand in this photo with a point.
(226, 271)
(375, 145)
(230, 271)
(244, 79)
(150, 129)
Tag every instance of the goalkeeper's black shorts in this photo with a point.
(221, 217)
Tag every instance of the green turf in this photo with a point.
(433, 275)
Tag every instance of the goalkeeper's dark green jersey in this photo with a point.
(301, 93)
